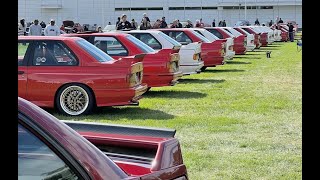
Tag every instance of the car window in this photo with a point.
(95, 52)
(142, 46)
(37, 161)
(216, 33)
(168, 38)
(22, 50)
(203, 39)
(52, 53)
(180, 36)
(111, 46)
(148, 39)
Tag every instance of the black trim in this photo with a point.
(120, 129)
(54, 145)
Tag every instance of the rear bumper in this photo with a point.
(229, 55)
(250, 47)
(191, 68)
(164, 79)
(213, 61)
(118, 97)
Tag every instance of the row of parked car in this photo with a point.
(77, 72)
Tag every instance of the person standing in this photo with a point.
(198, 23)
(189, 25)
(99, 29)
(201, 23)
(35, 29)
(214, 23)
(157, 24)
(145, 16)
(179, 24)
(22, 27)
(118, 21)
(270, 23)
(109, 23)
(291, 32)
(134, 24)
(123, 24)
(224, 24)
(280, 21)
(52, 29)
(145, 24)
(163, 23)
(174, 24)
(257, 22)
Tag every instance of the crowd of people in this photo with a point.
(51, 29)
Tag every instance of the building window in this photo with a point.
(176, 8)
(155, 8)
(193, 8)
(206, 8)
(138, 9)
(266, 7)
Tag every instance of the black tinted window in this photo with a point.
(111, 46)
(216, 33)
(148, 39)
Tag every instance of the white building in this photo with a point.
(101, 12)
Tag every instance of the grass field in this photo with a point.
(238, 121)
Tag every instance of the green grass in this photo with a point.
(238, 121)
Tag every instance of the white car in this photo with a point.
(249, 41)
(267, 30)
(229, 44)
(109, 28)
(250, 38)
(190, 60)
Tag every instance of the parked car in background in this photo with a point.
(242, 23)
(74, 76)
(250, 38)
(239, 41)
(228, 42)
(263, 35)
(72, 27)
(190, 60)
(160, 68)
(109, 28)
(211, 53)
(257, 35)
(264, 32)
(52, 149)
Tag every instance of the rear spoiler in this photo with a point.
(120, 129)
(131, 59)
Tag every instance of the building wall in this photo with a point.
(101, 12)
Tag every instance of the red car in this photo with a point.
(51, 149)
(263, 35)
(74, 76)
(160, 68)
(212, 53)
(239, 45)
(255, 34)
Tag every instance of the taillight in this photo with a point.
(196, 56)
(173, 65)
(136, 74)
(231, 48)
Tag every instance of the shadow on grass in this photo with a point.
(266, 49)
(244, 57)
(114, 114)
(224, 70)
(173, 94)
(238, 62)
(200, 81)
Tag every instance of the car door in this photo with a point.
(51, 64)
(112, 46)
(23, 53)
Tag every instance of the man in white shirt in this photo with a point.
(35, 29)
(52, 29)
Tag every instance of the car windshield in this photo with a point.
(168, 38)
(97, 53)
(203, 39)
(142, 46)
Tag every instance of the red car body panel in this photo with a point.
(239, 46)
(155, 72)
(108, 80)
(263, 37)
(212, 53)
(257, 37)
(167, 164)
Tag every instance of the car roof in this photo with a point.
(92, 158)
(145, 31)
(99, 34)
(47, 38)
(173, 29)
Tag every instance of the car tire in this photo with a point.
(74, 100)
(203, 68)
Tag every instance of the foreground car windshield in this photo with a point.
(201, 37)
(145, 48)
(98, 54)
(168, 38)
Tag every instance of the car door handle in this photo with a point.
(20, 72)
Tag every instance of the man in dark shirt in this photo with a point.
(291, 32)
(163, 23)
(280, 21)
(257, 22)
(123, 24)
(189, 25)
(179, 24)
(214, 23)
